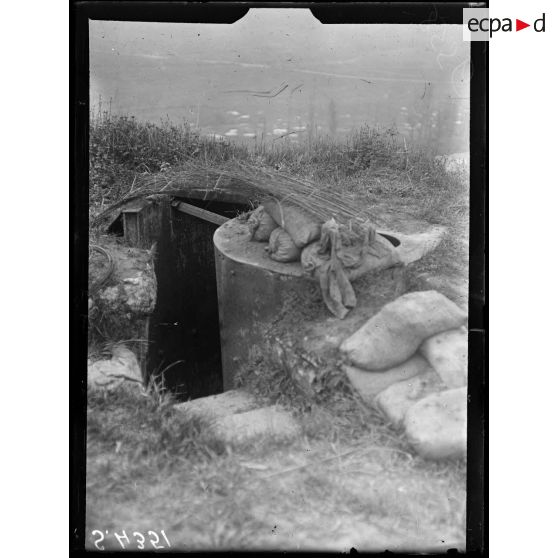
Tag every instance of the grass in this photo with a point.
(151, 469)
(350, 480)
(371, 162)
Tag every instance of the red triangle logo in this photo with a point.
(519, 25)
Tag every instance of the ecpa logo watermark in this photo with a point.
(478, 26)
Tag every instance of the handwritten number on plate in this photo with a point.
(96, 543)
(154, 543)
(122, 536)
(167, 540)
(142, 539)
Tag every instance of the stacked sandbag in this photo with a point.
(301, 227)
(261, 224)
(285, 241)
(332, 254)
(370, 384)
(395, 333)
(281, 247)
(415, 350)
(357, 258)
(436, 426)
(398, 398)
(447, 353)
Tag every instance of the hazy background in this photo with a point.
(280, 71)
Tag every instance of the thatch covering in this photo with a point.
(253, 183)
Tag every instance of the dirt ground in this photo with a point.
(310, 495)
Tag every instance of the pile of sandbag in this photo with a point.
(328, 251)
(410, 361)
(285, 227)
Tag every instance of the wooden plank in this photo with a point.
(200, 213)
(142, 225)
(131, 228)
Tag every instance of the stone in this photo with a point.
(218, 406)
(271, 423)
(436, 426)
(133, 294)
(234, 418)
(395, 333)
(447, 353)
(120, 307)
(121, 369)
(369, 384)
(398, 398)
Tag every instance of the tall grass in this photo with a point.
(123, 149)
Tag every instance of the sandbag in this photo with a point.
(302, 227)
(370, 384)
(321, 259)
(381, 255)
(447, 353)
(281, 247)
(342, 255)
(397, 399)
(436, 426)
(357, 255)
(261, 225)
(397, 330)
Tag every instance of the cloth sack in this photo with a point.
(301, 227)
(341, 256)
(281, 247)
(321, 259)
(447, 353)
(370, 384)
(397, 330)
(261, 225)
(436, 426)
(397, 399)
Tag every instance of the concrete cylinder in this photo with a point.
(252, 289)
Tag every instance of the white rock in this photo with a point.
(437, 425)
(398, 398)
(447, 353)
(370, 384)
(122, 368)
(233, 417)
(217, 406)
(259, 425)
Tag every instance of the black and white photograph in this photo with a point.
(278, 297)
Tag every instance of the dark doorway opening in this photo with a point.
(184, 340)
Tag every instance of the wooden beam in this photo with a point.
(200, 213)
